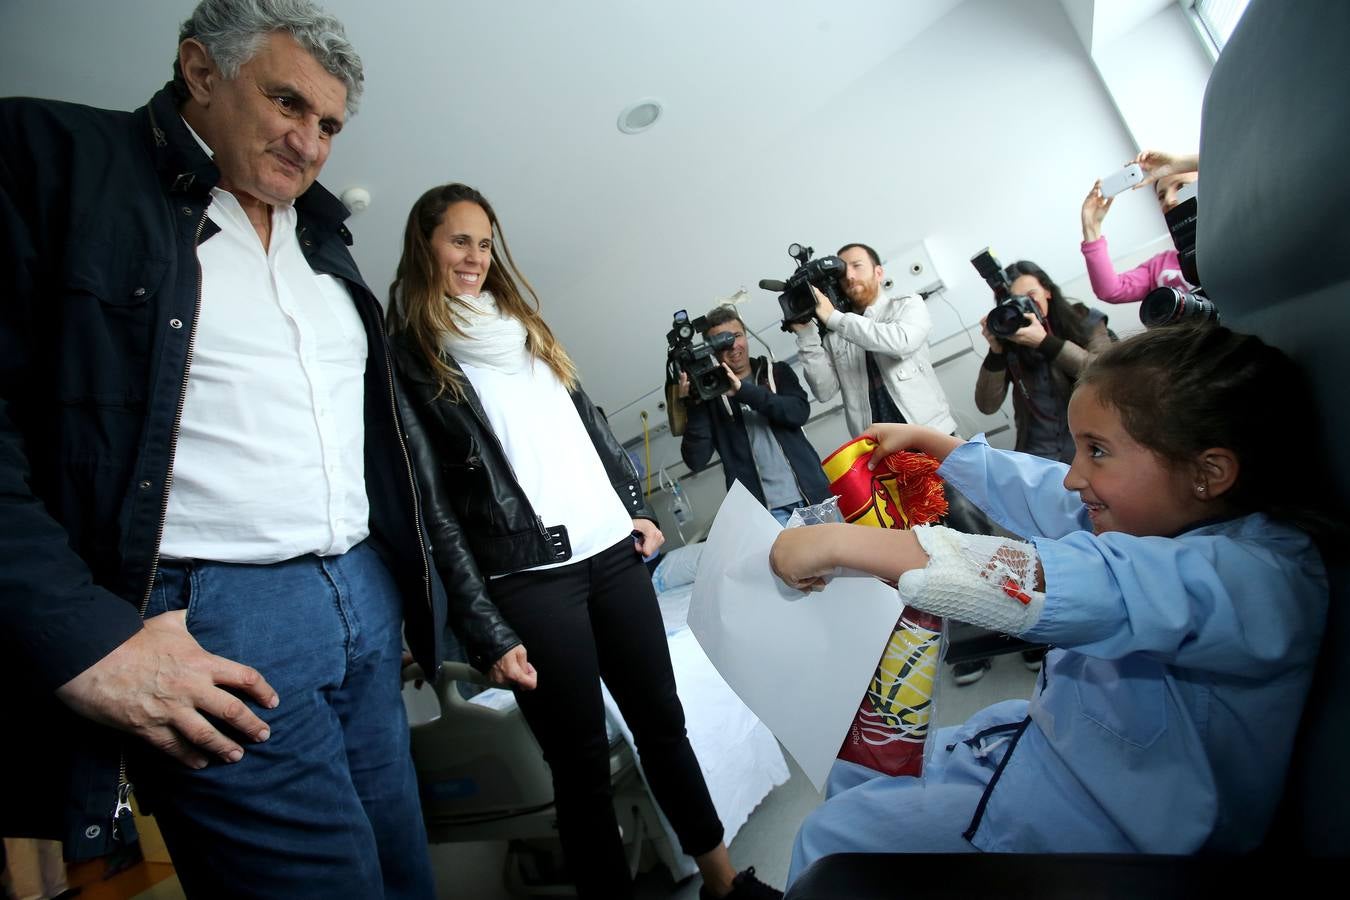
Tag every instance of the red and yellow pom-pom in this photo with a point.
(903, 491)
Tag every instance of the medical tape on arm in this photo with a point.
(981, 579)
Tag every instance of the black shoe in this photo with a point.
(1032, 659)
(970, 672)
(745, 886)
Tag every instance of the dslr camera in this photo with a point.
(1168, 305)
(707, 379)
(796, 300)
(1010, 310)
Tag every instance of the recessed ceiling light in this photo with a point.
(638, 117)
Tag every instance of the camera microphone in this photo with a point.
(770, 284)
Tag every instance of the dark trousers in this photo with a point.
(327, 806)
(595, 619)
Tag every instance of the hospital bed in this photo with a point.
(482, 776)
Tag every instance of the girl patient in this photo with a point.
(1172, 568)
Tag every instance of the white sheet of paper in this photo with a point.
(801, 662)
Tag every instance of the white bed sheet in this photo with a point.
(740, 758)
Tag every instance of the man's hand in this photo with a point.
(651, 539)
(824, 308)
(995, 345)
(513, 670)
(1030, 334)
(1095, 208)
(160, 685)
(684, 384)
(735, 382)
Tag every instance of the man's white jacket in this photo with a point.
(896, 330)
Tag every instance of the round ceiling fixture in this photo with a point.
(638, 117)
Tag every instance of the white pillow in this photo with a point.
(677, 568)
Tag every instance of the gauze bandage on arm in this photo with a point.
(981, 579)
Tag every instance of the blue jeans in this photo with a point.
(781, 514)
(328, 805)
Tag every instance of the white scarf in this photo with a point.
(491, 340)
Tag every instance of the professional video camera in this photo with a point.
(1168, 305)
(796, 300)
(1010, 310)
(707, 379)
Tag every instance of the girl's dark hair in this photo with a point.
(1183, 389)
(1065, 321)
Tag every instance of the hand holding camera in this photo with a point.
(812, 291)
(1095, 207)
(1015, 317)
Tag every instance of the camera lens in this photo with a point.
(1167, 305)
(1006, 319)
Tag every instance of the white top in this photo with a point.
(551, 453)
(270, 458)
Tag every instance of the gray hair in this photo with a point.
(233, 31)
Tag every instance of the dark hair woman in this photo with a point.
(538, 531)
(1041, 360)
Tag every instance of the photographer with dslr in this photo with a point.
(756, 426)
(876, 355)
(1041, 360)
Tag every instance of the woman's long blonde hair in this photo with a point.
(418, 303)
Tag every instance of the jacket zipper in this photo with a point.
(123, 804)
(407, 466)
(801, 494)
(501, 451)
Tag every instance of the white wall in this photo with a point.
(1157, 72)
(987, 130)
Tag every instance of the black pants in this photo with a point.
(581, 622)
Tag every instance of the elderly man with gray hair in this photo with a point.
(210, 541)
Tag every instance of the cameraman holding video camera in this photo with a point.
(877, 354)
(756, 426)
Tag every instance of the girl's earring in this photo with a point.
(1199, 488)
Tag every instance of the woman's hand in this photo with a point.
(513, 670)
(651, 539)
(801, 557)
(995, 345)
(892, 438)
(1157, 164)
(1030, 334)
(1095, 208)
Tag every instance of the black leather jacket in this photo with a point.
(480, 521)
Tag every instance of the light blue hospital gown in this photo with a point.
(1163, 721)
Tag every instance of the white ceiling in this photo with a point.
(520, 99)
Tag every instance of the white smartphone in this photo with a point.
(1122, 179)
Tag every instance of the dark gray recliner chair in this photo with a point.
(1273, 248)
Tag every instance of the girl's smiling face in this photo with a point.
(1124, 485)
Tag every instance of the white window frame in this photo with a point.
(1201, 29)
